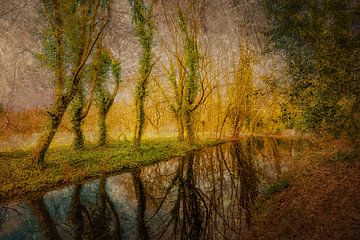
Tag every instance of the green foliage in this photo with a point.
(71, 35)
(321, 41)
(278, 186)
(143, 26)
(191, 59)
(102, 67)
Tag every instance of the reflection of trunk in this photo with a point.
(102, 221)
(191, 204)
(118, 230)
(76, 215)
(190, 223)
(276, 156)
(45, 221)
(248, 177)
(141, 204)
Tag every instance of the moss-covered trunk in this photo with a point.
(76, 120)
(142, 17)
(180, 128)
(189, 128)
(47, 135)
(102, 126)
(140, 114)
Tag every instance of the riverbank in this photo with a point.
(18, 176)
(321, 199)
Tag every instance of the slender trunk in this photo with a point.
(190, 136)
(140, 116)
(102, 126)
(144, 30)
(47, 136)
(79, 137)
(180, 128)
(76, 120)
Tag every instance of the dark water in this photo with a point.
(204, 195)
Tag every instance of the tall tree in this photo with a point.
(80, 107)
(143, 26)
(68, 22)
(104, 99)
(321, 41)
(240, 92)
(189, 29)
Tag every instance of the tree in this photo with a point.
(104, 99)
(143, 26)
(188, 70)
(68, 23)
(241, 92)
(321, 41)
(80, 107)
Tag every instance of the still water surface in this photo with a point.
(205, 195)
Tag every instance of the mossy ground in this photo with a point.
(18, 175)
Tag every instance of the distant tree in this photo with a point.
(69, 25)
(187, 69)
(321, 41)
(143, 27)
(241, 93)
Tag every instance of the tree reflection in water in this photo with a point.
(84, 219)
(208, 197)
(204, 195)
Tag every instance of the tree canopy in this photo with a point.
(320, 40)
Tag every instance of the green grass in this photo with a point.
(63, 165)
(278, 186)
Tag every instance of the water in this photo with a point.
(204, 195)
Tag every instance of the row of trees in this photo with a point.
(73, 49)
(319, 43)
(71, 38)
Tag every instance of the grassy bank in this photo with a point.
(18, 176)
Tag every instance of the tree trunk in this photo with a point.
(79, 137)
(102, 126)
(190, 136)
(140, 116)
(180, 128)
(47, 136)
(76, 120)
